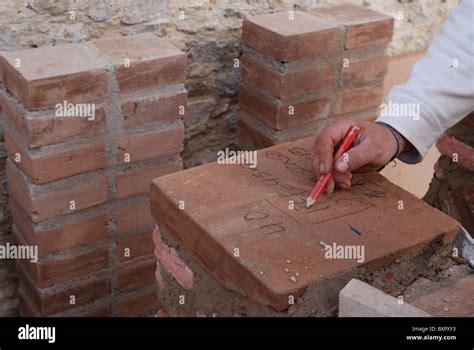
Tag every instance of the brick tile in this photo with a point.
(359, 99)
(279, 114)
(151, 61)
(45, 273)
(138, 304)
(286, 84)
(155, 109)
(284, 39)
(449, 145)
(53, 74)
(363, 26)
(42, 207)
(68, 235)
(136, 276)
(56, 165)
(135, 246)
(255, 217)
(133, 217)
(138, 181)
(364, 70)
(45, 128)
(151, 144)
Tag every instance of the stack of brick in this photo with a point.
(301, 70)
(79, 180)
(452, 187)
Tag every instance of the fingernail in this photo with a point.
(321, 168)
(330, 187)
(342, 166)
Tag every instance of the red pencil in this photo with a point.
(323, 179)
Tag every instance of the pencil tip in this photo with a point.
(309, 202)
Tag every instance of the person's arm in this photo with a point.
(441, 85)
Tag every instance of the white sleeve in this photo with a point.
(440, 90)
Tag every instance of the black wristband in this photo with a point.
(396, 135)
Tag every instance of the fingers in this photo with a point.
(343, 181)
(358, 156)
(324, 145)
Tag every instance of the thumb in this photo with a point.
(356, 158)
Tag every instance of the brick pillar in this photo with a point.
(79, 183)
(452, 187)
(301, 70)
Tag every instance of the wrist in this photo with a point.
(399, 141)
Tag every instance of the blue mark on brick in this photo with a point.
(358, 233)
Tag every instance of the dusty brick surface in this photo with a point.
(255, 218)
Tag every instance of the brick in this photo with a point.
(449, 146)
(53, 301)
(138, 181)
(56, 165)
(45, 273)
(157, 108)
(138, 304)
(271, 237)
(151, 144)
(98, 312)
(359, 299)
(359, 99)
(45, 128)
(151, 61)
(286, 84)
(66, 236)
(135, 246)
(364, 71)
(452, 300)
(42, 207)
(276, 113)
(136, 276)
(53, 74)
(363, 26)
(133, 217)
(278, 36)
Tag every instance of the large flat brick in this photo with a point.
(133, 217)
(50, 75)
(359, 99)
(286, 39)
(138, 181)
(66, 236)
(363, 26)
(44, 128)
(143, 61)
(279, 247)
(56, 165)
(282, 114)
(55, 203)
(150, 144)
(288, 83)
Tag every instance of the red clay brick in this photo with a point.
(284, 39)
(364, 71)
(48, 272)
(44, 128)
(136, 276)
(51, 302)
(276, 113)
(151, 61)
(271, 237)
(57, 165)
(133, 217)
(138, 181)
(53, 74)
(359, 99)
(135, 246)
(252, 135)
(155, 109)
(66, 236)
(105, 311)
(286, 84)
(151, 144)
(42, 207)
(138, 304)
(449, 146)
(363, 26)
